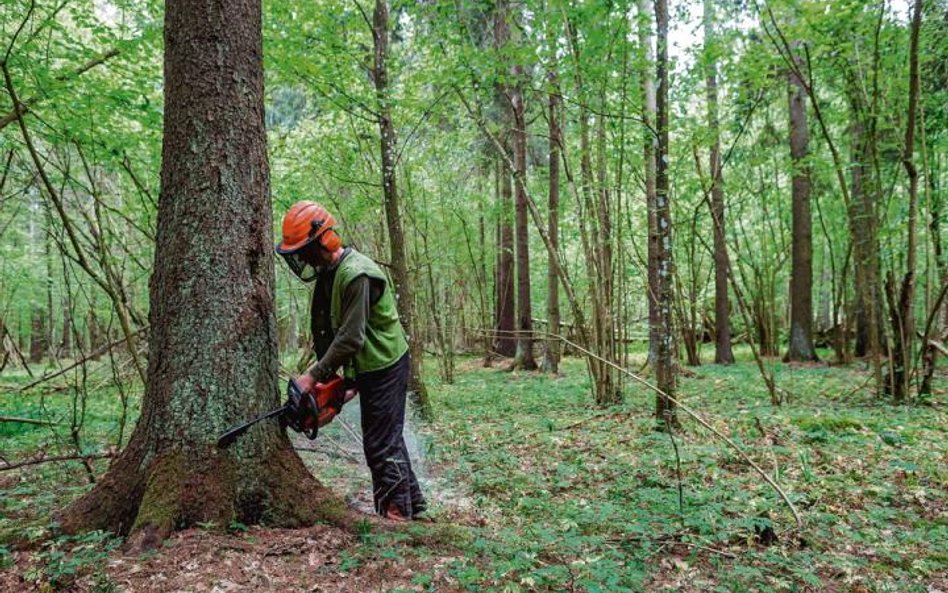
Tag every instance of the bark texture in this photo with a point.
(722, 313)
(551, 356)
(665, 364)
(396, 235)
(524, 358)
(505, 342)
(801, 274)
(213, 341)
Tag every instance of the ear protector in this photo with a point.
(328, 239)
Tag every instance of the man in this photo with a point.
(355, 325)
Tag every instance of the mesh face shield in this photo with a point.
(303, 270)
(299, 261)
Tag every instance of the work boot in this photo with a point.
(393, 514)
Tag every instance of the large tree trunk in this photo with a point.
(801, 274)
(213, 339)
(504, 342)
(551, 356)
(524, 358)
(722, 319)
(665, 364)
(396, 236)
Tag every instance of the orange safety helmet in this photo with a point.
(304, 223)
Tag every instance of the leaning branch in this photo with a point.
(97, 352)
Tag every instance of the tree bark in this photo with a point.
(524, 358)
(649, 148)
(801, 274)
(665, 366)
(551, 355)
(904, 320)
(722, 319)
(403, 288)
(505, 343)
(213, 341)
(38, 345)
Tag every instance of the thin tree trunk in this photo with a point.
(396, 235)
(665, 367)
(722, 318)
(801, 275)
(591, 228)
(551, 355)
(904, 324)
(524, 358)
(649, 149)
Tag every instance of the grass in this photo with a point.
(578, 498)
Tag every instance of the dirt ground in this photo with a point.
(320, 559)
(314, 560)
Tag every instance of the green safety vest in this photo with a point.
(385, 341)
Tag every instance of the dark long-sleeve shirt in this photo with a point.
(335, 349)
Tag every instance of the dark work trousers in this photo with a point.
(382, 401)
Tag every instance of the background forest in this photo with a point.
(694, 215)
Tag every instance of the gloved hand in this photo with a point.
(305, 382)
(350, 395)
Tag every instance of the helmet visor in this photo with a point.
(304, 270)
(303, 261)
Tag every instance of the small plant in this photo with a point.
(65, 559)
(237, 527)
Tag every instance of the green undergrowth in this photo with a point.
(568, 496)
(78, 421)
(582, 498)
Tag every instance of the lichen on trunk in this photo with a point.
(213, 343)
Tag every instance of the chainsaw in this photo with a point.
(304, 411)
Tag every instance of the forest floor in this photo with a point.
(554, 493)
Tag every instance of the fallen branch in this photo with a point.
(40, 460)
(19, 420)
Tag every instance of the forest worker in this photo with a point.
(355, 325)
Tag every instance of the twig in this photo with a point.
(706, 548)
(681, 491)
(349, 429)
(345, 452)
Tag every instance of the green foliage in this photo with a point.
(64, 559)
(576, 494)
